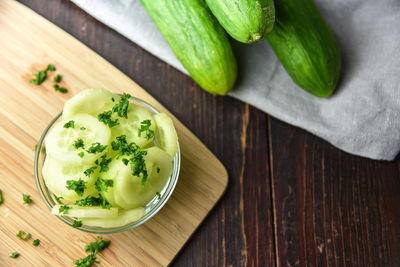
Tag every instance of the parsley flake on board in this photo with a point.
(90, 171)
(60, 89)
(57, 78)
(27, 199)
(145, 127)
(121, 108)
(70, 124)
(21, 235)
(103, 184)
(50, 67)
(96, 148)
(96, 247)
(86, 262)
(79, 143)
(105, 118)
(39, 77)
(77, 224)
(78, 186)
(14, 255)
(64, 209)
(36, 242)
(1, 197)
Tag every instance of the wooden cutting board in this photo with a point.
(28, 43)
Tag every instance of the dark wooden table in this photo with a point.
(293, 199)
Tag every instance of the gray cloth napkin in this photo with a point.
(362, 117)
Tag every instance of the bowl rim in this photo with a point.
(169, 188)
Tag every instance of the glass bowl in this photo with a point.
(150, 209)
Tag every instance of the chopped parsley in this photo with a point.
(79, 143)
(58, 198)
(23, 236)
(70, 124)
(60, 89)
(122, 107)
(96, 148)
(77, 185)
(1, 197)
(158, 195)
(90, 201)
(57, 79)
(86, 262)
(90, 171)
(64, 209)
(81, 154)
(27, 199)
(112, 99)
(103, 184)
(96, 247)
(39, 77)
(105, 118)
(103, 163)
(83, 128)
(125, 161)
(138, 165)
(43, 149)
(36, 242)
(158, 170)
(145, 127)
(51, 67)
(14, 255)
(122, 146)
(77, 224)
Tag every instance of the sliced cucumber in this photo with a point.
(60, 141)
(124, 217)
(130, 126)
(166, 135)
(90, 101)
(85, 212)
(56, 175)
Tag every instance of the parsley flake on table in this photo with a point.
(27, 199)
(60, 89)
(103, 184)
(1, 197)
(145, 127)
(23, 236)
(78, 186)
(70, 124)
(121, 108)
(77, 224)
(14, 255)
(89, 260)
(51, 67)
(90, 171)
(96, 247)
(64, 209)
(79, 143)
(105, 118)
(96, 148)
(39, 77)
(36, 242)
(57, 78)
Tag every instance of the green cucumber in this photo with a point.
(306, 46)
(247, 21)
(197, 40)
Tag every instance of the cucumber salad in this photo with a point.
(107, 158)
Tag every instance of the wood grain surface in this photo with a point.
(25, 111)
(292, 199)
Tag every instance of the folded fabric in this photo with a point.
(362, 117)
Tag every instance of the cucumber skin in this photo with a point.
(247, 21)
(198, 41)
(306, 46)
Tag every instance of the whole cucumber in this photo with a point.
(247, 21)
(197, 40)
(306, 46)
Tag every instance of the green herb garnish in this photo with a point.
(36, 242)
(39, 77)
(21, 235)
(77, 185)
(103, 163)
(57, 79)
(122, 107)
(64, 209)
(103, 184)
(83, 128)
(87, 261)
(58, 198)
(158, 195)
(112, 99)
(27, 199)
(138, 166)
(51, 67)
(81, 154)
(77, 224)
(1, 197)
(60, 89)
(93, 201)
(105, 118)
(125, 161)
(70, 124)
(14, 255)
(145, 127)
(96, 247)
(158, 170)
(123, 147)
(79, 143)
(90, 171)
(96, 148)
